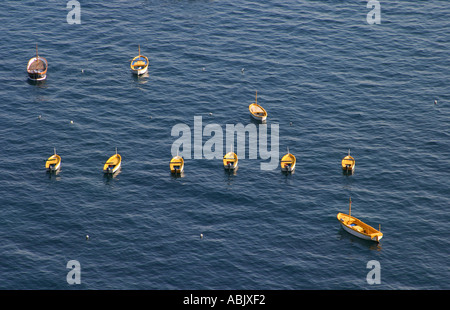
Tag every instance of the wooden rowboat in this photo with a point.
(257, 111)
(230, 160)
(177, 164)
(139, 64)
(288, 162)
(53, 163)
(112, 164)
(348, 163)
(37, 67)
(357, 227)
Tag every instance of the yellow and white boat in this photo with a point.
(348, 163)
(230, 160)
(113, 164)
(288, 162)
(358, 228)
(139, 64)
(53, 163)
(257, 111)
(177, 164)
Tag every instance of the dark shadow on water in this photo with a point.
(53, 175)
(255, 121)
(177, 175)
(230, 175)
(348, 173)
(40, 84)
(109, 178)
(231, 172)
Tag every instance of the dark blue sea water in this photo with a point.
(329, 79)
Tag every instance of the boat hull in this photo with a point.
(230, 166)
(139, 71)
(358, 228)
(177, 170)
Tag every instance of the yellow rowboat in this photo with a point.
(53, 163)
(112, 164)
(257, 111)
(348, 163)
(177, 164)
(358, 228)
(230, 160)
(37, 67)
(139, 64)
(288, 162)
